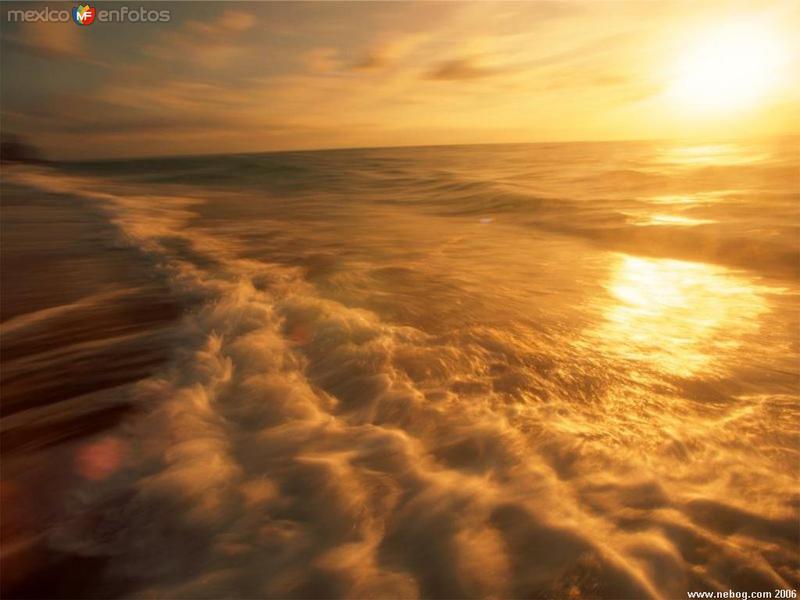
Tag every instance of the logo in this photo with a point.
(84, 14)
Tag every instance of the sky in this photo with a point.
(245, 77)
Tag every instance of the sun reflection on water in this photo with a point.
(695, 198)
(711, 154)
(670, 220)
(680, 317)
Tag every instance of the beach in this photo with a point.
(525, 370)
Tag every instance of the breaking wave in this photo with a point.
(300, 444)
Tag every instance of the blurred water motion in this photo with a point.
(557, 370)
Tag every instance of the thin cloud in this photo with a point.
(464, 69)
(208, 44)
(391, 51)
(322, 60)
(52, 41)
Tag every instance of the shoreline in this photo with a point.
(83, 319)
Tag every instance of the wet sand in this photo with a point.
(84, 316)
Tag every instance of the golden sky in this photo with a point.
(228, 77)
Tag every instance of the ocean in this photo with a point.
(531, 371)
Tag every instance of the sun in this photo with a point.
(734, 66)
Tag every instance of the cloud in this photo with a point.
(211, 45)
(371, 62)
(322, 60)
(54, 41)
(235, 20)
(390, 51)
(463, 69)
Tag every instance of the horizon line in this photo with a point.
(775, 136)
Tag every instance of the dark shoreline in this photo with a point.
(83, 317)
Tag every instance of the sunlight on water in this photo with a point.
(696, 198)
(672, 220)
(713, 154)
(681, 317)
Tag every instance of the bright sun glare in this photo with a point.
(732, 67)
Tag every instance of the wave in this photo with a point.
(735, 207)
(299, 447)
